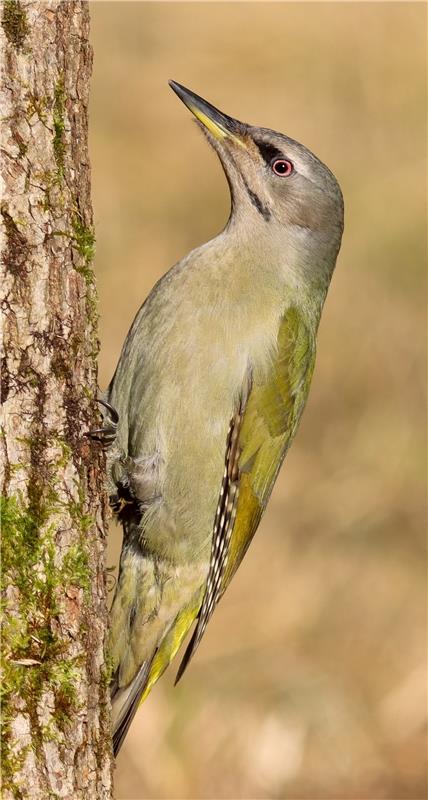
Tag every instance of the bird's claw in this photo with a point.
(106, 435)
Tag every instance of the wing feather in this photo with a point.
(222, 531)
(260, 434)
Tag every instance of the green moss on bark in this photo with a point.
(36, 655)
(14, 23)
(59, 125)
(84, 239)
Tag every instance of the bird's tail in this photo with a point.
(125, 703)
(151, 614)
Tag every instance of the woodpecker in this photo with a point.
(208, 394)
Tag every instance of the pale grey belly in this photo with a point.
(176, 390)
(176, 415)
(188, 434)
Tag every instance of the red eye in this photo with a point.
(282, 167)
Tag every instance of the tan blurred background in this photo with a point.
(310, 681)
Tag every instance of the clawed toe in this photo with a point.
(106, 435)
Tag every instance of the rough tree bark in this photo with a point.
(56, 736)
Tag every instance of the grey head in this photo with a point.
(272, 178)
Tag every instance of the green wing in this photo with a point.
(260, 434)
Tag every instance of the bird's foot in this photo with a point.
(106, 435)
(125, 504)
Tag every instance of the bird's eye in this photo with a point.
(282, 167)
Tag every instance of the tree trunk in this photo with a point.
(56, 737)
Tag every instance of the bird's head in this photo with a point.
(276, 179)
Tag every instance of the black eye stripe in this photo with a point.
(268, 151)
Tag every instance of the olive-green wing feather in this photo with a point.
(260, 433)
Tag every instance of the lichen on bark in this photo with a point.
(56, 735)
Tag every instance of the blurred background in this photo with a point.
(310, 681)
